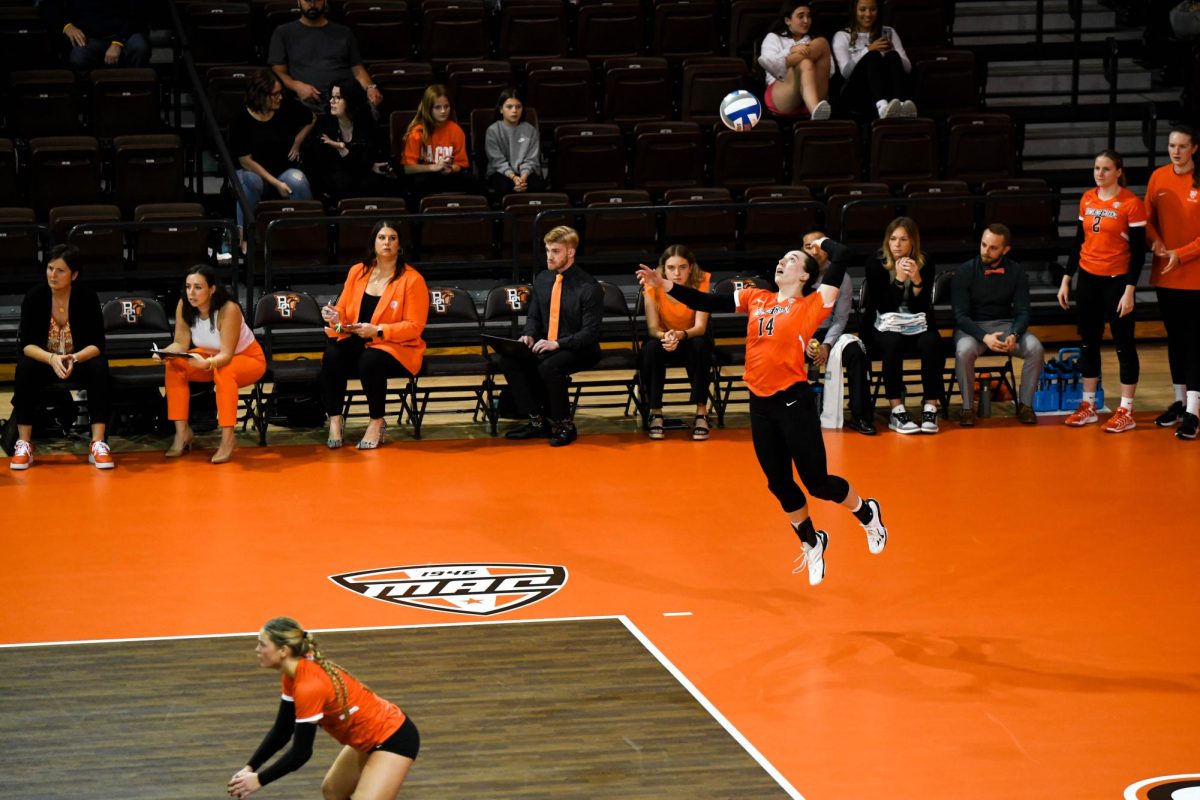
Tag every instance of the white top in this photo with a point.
(773, 55)
(848, 53)
(207, 336)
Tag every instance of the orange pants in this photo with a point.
(245, 368)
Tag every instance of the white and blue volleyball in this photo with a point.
(740, 110)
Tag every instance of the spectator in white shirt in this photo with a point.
(798, 66)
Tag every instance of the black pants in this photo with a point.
(32, 376)
(694, 355)
(1096, 299)
(501, 185)
(877, 76)
(786, 429)
(539, 384)
(894, 347)
(858, 380)
(1180, 309)
(351, 358)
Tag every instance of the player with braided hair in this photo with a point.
(380, 741)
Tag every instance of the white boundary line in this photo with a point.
(767, 766)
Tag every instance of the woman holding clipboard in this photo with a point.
(218, 346)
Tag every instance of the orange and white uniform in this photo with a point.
(672, 314)
(1173, 211)
(370, 721)
(1106, 225)
(777, 333)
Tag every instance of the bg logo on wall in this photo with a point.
(475, 589)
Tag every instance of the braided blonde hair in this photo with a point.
(285, 631)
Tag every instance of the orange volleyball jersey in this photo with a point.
(1106, 225)
(777, 333)
(672, 314)
(371, 719)
(1173, 206)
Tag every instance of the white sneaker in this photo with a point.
(814, 558)
(876, 532)
(901, 422)
(929, 417)
(892, 109)
(100, 456)
(22, 457)
(821, 110)
(908, 109)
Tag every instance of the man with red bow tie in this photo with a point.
(991, 313)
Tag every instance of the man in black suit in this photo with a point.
(562, 332)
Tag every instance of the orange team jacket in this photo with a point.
(777, 333)
(1106, 225)
(448, 140)
(402, 311)
(371, 719)
(1173, 208)
(672, 314)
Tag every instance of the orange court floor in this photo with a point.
(1030, 631)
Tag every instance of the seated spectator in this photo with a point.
(210, 327)
(678, 336)
(991, 313)
(798, 66)
(374, 332)
(899, 287)
(61, 338)
(310, 54)
(873, 63)
(345, 157)
(840, 350)
(513, 149)
(101, 33)
(435, 150)
(562, 332)
(1110, 252)
(266, 141)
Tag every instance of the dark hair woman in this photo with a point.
(374, 330)
(874, 64)
(61, 338)
(347, 158)
(209, 326)
(513, 149)
(798, 65)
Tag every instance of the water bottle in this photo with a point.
(225, 252)
(985, 395)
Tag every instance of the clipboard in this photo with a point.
(508, 347)
(154, 351)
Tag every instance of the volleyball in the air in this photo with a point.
(740, 110)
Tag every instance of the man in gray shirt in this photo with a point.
(311, 53)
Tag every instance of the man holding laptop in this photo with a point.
(562, 334)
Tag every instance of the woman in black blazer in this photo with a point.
(61, 338)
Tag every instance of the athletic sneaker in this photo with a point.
(901, 422)
(1172, 416)
(22, 457)
(1188, 426)
(100, 456)
(821, 110)
(814, 558)
(876, 532)
(929, 421)
(1084, 415)
(892, 109)
(908, 109)
(1120, 421)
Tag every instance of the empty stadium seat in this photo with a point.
(291, 246)
(706, 81)
(749, 22)
(42, 102)
(945, 215)
(124, 101)
(531, 30)
(352, 243)
(19, 265)
(102, 251)
(742, 159)
(524, 208)
(860, 227)
(147, 169)
(706, 231)
(458, 33)
(24, 39)
(773, 231)
(477, 84)
(64, 170)
(617, 234)
(945, 82)
(667, 155)
(1030, 208)
(402, 83)
(605, 29)
(563, 90)
(588, 158)
(825, 152)
(903, 150)
(170, 247)
(980, 147)
(8, 173)
(381, 28)
(637, 90)
(462, 378)
(683, 29)
(220, 33)
(450, 239)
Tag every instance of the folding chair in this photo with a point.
(454, 320)
(620, 355)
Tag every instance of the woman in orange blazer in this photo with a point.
(375, 332)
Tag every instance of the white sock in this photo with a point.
(1193, 403)
(1089, 398)
(1180, 391)
(1127, 403)
(931, 407)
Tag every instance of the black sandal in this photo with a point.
(700, 434)
(655, 431)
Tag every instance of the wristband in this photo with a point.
(685, 335)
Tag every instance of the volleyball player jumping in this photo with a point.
(784, 419)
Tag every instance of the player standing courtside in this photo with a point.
(381, 743)
(1111, 249)
(784, 420)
